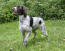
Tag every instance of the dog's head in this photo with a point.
(19, 10)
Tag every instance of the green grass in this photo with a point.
(10, 37)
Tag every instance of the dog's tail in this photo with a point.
(41, 15)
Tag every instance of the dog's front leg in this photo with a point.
(23, 35)
(26, 38)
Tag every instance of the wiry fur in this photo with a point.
(28, 24)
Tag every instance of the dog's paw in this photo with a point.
(25, 43)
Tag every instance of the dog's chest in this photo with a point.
(24, 21)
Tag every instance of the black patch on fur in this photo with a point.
(40, 22)
(31, 21)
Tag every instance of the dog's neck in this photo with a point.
(22, 16)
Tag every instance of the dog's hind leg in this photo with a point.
(34, 35)
(43, 30)
(34, 32)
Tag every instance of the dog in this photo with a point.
(28, 24)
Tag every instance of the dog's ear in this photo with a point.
(24, 10)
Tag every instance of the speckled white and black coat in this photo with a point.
(29, 24)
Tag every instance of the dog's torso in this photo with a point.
(29, 23)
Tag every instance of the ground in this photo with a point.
(10, 37)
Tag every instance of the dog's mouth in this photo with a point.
(15, 14)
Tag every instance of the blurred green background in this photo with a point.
(51, 9)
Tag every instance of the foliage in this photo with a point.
(51, 9)
(6, 11)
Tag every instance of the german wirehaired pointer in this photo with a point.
(28, 24)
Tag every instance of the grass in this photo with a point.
(10, 37)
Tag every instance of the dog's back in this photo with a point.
(37, 21)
